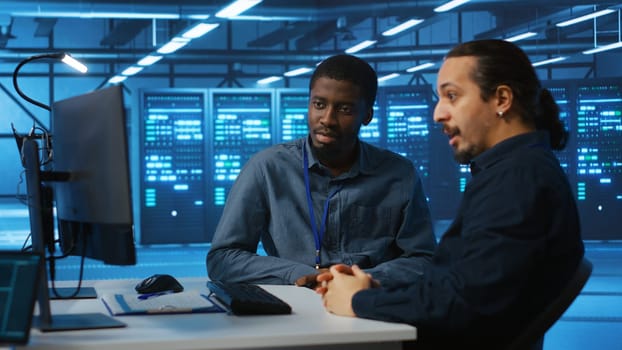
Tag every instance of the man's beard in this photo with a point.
(328, 153)
(465, 156)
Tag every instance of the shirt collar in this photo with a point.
(361, 165)
(499, 151)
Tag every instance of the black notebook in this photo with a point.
(247, 299)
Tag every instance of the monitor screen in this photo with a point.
(93, 207)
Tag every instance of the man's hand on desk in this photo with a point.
(310, 281)
(326, 276)
(318, 281)
(339, 284)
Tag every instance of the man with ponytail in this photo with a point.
(515, 241)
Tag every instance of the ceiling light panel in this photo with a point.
(236, 8)
(360, 46)
(603, 48)
(402, 27)
(585, 18)
(522, 36)
(549, 61)
(199, 30)
(173, 45)
(450, 5)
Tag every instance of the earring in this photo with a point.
(500, 114)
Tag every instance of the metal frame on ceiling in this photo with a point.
(301, 30)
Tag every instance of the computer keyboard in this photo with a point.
(247, 299)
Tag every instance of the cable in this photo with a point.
(21, 198)
(52, 267)
(46, 149)
(26, 247)
(57, 55)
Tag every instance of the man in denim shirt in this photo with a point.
(326, 198)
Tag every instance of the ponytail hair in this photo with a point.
(547, 118)
(501, 62)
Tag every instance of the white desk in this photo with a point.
(308, 327)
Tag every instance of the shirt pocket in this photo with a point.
(370, 232)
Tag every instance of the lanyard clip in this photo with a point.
(317, 259)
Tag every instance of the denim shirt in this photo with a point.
(379, 219)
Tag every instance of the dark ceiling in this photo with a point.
(299, 28)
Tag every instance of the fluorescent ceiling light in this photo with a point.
(269, 80)
(73, 63)
(584, 18)
(199, 30)
(603, 48)
(521, 36)
(450, 5)
(236, 8)
(402, 27)
(420, 67)
(116, 79)
(128, 15)
(106, 15)
(550, 60)
(297, 71)
(149, 60)
(199, 17)
(361, 46)
(388, 76)
(173, 45)
(267, 18)
(131, 70)
(118, 15)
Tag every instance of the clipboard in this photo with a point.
(189, 301)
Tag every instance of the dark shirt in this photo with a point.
(514, 244)
(378, 220)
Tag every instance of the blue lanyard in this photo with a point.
(318, 235)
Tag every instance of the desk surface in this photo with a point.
(309, 326)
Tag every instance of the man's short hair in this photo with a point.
(349, 68)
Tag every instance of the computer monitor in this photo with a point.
(89, 175)
(94, 207)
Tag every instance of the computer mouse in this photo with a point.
(159, 283)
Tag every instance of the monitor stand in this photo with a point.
(68, 293)
(71, 322)
(39, 205)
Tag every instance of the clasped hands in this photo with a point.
(337, 285)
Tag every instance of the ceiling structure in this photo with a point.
(296, 31)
